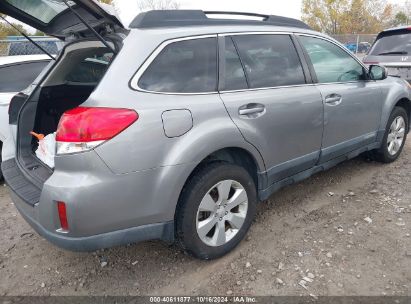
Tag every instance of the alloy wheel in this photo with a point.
(222, 213)
(396, 135)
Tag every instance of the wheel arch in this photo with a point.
(233, 155)
(395, 94)
(405, 103)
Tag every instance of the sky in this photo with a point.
(289, 8)
(128, 9)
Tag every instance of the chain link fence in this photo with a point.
(18, 46)
(358, 44)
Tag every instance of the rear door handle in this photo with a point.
(333, 99)
(251, 109)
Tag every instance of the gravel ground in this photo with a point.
(342, 232)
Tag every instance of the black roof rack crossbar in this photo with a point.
(181, 18)
(265, 17)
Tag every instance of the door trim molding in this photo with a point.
(266, 193)
(291, 167)
(337, 150)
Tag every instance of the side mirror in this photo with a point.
(377, 72)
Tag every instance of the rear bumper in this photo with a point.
(160, 231)
(103, 209)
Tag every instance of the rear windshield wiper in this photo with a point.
(394, 53)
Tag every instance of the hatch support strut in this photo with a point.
(28, 38)
(99, 37)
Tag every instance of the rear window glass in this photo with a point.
(90, 70)
(15, 78)
(394, 44)
(43, 10)
(183, 67)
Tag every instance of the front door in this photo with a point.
(352, 103)
(265, 92)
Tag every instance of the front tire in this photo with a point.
(394, 137)
(215, 210)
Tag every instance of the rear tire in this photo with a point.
(215, 210)
(394, 137)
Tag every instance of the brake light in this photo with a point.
(61, 208)
(82, 129)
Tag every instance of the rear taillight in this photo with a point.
(82, 129)
(61, 208)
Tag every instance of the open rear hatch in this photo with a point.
(59, 18)
(89, 27)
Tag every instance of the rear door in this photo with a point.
(352, 104)
(54, 17)
(265, 90)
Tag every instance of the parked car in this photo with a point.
(364, 47)
(195, 121)
(16, 74)
(352, 46)
(392, 48)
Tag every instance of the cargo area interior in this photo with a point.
(68, 85)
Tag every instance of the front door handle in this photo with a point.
(333, 99)
(251, 109)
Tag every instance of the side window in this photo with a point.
(270, 60)
(234, 73)
(17, 77)
(188, 66)
(331, 63)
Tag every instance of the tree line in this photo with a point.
(354, 16)
(329, 16)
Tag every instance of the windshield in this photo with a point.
(394, 44)
(43, 10)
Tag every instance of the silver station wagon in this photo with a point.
(175, 128)
(392, 48)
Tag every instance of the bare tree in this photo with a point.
(145, 5)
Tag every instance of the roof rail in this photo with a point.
(181, 18)
(265, 17)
